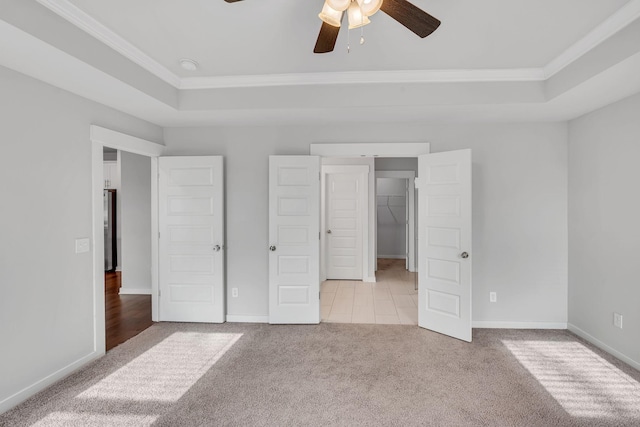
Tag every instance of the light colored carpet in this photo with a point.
(341, 374)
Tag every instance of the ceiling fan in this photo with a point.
(358, 12)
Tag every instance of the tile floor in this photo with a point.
(391, 300)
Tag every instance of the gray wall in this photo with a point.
(604, 226)
(46, 308)
(135, 206)
(519, 202)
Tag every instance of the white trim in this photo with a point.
(101, 137)
(616, 22)
(366, 77)
(47, 381)
(122, 141)
(381, 149)
(400, 256)
(135, 291)
(155, 244)
(593, 340)
(369, 279)
(97, 219)
(90, 25)
(517, 325)
(238, 318)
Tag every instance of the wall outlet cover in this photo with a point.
(82, 245)
(617, 320)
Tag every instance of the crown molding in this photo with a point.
(616, 22)
(365, 77)
(87, 23)
(620, 19)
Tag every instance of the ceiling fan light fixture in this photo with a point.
(339, 5)
(330, 15)
(356, 18)
(369, 7)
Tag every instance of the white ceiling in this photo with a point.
(257, 37)
(491, 60)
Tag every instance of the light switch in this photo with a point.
(82, 245)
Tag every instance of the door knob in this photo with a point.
(217, 248)
(272, 248)
(328, 231)
(464, 255)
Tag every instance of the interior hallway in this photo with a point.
(393, 299)
(125, 315)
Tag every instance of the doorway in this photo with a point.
(127, 245)
(101, 138)
(444, 285)
(392, 298)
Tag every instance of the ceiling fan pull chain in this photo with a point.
(361, 35)
(348, 41)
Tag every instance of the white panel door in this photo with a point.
(294, 239)
(344, 221)
(191, 251)
(444, 243)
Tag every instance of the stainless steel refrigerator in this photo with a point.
(110, 246)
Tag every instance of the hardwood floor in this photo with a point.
(125, 315)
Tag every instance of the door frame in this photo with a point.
(101, 137)
(364, 171)
(410, 176)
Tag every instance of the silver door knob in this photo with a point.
(272, 248)
(464, 255)
(217, 248)
(328, 231)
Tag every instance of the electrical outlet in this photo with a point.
(82, 245)
(617, 320)
(493, 297)
(234, 292)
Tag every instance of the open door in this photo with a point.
(294, 239)
(444, 243)
(191, 251)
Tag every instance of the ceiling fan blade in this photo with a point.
(232, 1)
(326, 39)
(412, 17)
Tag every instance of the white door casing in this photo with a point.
(407, 237)
(444, 226)
(191, 248)
(294, 239)
(346, 221)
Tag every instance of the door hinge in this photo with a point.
(158, 234)
(319, 236)
(159, 292)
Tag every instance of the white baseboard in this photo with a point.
(40, 385)
(369, 279)
(392, 256)
(518, 325)
(593, 340)
(119, 269)
(235, 318)
(135, 291)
